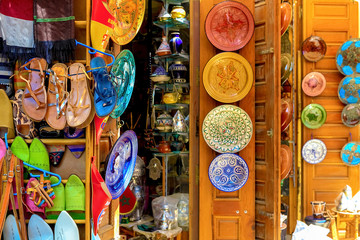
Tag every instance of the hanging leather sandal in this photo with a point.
(80, 110)
(57, 97)
(34, 99)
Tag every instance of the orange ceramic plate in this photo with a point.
(129, 15)
(286, 160)
(286, 16)
(228, 77)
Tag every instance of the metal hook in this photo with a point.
(93, 51)
(6, 141)
(312, 137)
(350, 136)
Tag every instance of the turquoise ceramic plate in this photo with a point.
(350, 153)
(313, 116)
(348, 57)
(227, 129)
(123, 76)
(228, 172)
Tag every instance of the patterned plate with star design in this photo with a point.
(314, 151)
(228, 77)
(227, 129)
(313, 116)
(350, 153)
(229, 25)
(228, 172)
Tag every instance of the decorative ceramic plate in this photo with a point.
(313, 116)
(121, 163)
(228, 172)
(314, 151)
(286, 113)
(350, 115)
(228, 77)
(348, 57)
(350, 153)
(123, 75)
(313, 84)
(349, 89)
(129, 15)
(286, 66)
(286, 16)
(286, 160)
(227, 129)
(314, 48)
(229, 25)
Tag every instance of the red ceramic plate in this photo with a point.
(314, 48)
(285, 160)
(229, 25)
(286, 113)
(286, 16)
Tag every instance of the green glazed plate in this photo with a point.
(313, 116)
(227, 129)
(123, 78)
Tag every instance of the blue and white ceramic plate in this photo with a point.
(123, 77)
(227, 129)
(348, 57)
(121, 163)
(350, 153)
(314, 151)
(228, 172)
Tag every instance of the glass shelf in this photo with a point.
(173, 57)
(170, 154)
(170, 133)
(164, 85)
(173, 23)
(173, 2)
(171, 106)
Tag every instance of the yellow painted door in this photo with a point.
(335, 21)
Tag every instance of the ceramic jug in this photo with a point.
(175, 43)
(164, 147)
(164, 48)
(176, 144)
(164, 122)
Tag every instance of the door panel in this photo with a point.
(225, 215)
(324, 181)
(267, 131)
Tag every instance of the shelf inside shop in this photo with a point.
(173, 57)
(173, 23)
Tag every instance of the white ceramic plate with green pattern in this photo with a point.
(227, 129)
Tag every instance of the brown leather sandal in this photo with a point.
(34, 100)
(80, 110)
(57, 97)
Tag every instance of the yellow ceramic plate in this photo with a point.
(129, 15)
(228, 77)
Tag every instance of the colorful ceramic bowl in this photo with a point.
(286, 66)
(314, 48)
(313, 116)
(349, 89)
(313, 84)
(314, 151)
(286, 113)
(286, 16)
(348, 57)
(227, 129)
(229, 25)
(164, 122)
(350, 115)
(286, 160)
(350, 153)
(228, 172)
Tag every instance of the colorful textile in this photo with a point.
(16, 25)
(101, 25)
(54, 28)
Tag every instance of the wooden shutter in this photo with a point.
(224, 215)
(335, 21)
(267, 122)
